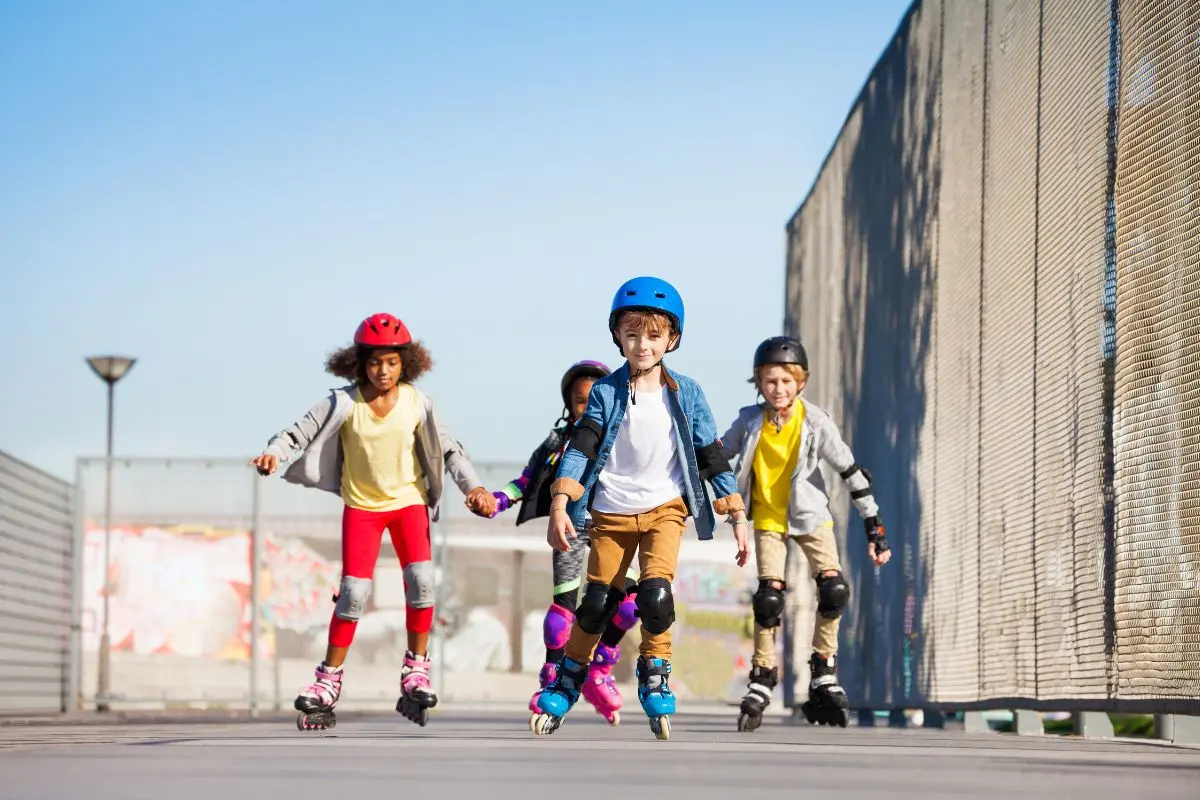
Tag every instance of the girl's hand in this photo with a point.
(743, 544)
(481, 502)
(266, 464)
(560, 531)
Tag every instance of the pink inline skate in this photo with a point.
(600, 689)
(316, 701)
(416, 695)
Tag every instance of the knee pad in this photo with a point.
(833, 593)
(418, 584)
(352, 598)
(556, 628)
(768, 602)
(593, 610)
(656, 604)
(626, 614)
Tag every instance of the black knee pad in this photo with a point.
(593, 609)
(833, 593)
(656, 604)
(768, 602)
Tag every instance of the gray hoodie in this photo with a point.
(820, 440)
(314, 444)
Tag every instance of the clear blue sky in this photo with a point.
(224, 189)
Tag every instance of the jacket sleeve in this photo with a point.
(714, 466)
(515, 489)
(734, 439)
(581, 449)
(458, 464)
(295, 439)
(834, 451)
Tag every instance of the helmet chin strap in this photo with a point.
(775, 417)
(634, 375)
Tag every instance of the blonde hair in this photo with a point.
(798, 373)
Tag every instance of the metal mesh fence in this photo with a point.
(956, 272)
(1157, 427)
(191, 625)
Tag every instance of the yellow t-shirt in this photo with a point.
(774, 462)
(380, 469)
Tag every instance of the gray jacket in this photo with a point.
(314, 443)
(820, 440)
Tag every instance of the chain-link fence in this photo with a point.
(186, 629)
(995, 275)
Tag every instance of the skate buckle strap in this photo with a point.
(825, 680)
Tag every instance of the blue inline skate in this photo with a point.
(558, 697)
(654, 692)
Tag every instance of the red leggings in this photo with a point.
(362, 536)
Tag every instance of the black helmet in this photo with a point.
(781, 350)
(581, 369)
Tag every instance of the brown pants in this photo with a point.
(820, 547)
(654, 537)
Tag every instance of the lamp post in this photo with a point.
(109, 369)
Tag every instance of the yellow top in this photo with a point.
(380, 469)
(774, 462)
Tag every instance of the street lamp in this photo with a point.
(109, 369)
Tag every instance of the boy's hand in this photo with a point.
(266, 464)
(560, 531)
(743, 544)
(877, 545)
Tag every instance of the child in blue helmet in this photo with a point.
(637, 460)
(531, 489)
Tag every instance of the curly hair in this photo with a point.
(349, 363)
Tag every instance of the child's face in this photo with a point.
(383, 369)
(579, 397)
(778, 386)
(645, 346)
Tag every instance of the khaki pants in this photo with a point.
(654, 537)
(820, 548)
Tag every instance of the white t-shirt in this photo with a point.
(643, 470)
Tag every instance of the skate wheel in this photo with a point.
(615, 719)
(748, 723)
(843, 718)
(661, 727)
(316, 721)
(544, 724)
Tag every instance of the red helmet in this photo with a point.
(382, 330)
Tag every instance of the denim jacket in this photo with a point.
(695, 434)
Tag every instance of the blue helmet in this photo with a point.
(647, 294)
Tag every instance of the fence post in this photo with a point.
(1092, 724)
(255, 566)
(73, 693)
(518, 610)
(1027, 723)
